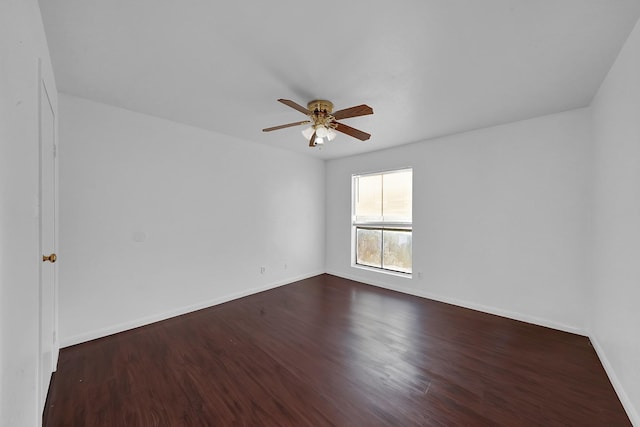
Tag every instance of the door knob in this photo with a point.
(50, 258)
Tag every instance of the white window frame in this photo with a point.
(377, 225)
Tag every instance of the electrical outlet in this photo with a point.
(285, 266)
(420, 275)
(263, 269)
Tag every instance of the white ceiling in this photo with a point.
(427, 67)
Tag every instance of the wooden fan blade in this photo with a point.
(286, 126)
(295, 106)
(312, 141)
(358, 110)
(362, 136)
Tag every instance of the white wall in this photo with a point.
(214, 209)
(22, 42)
(615, 316)
(499, 215)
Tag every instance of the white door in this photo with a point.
(48, 345)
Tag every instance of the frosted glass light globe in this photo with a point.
(321, 131)
(308, 132)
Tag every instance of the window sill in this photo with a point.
(383, 271)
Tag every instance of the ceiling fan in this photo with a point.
(323, 123)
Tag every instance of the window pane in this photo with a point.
(368, 194)
(397, 250)
(369, 247)
(397, 191)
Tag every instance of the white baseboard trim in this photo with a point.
(99, 333)
(632, 413)
(468, 304)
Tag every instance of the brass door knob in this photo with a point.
(50, 258)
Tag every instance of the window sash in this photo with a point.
(383, 197)
(375, 256)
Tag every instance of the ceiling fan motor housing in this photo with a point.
(320, 106)
(320, 113)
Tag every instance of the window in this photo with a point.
(382, 220)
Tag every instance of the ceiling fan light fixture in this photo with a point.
(308, 132)
(321, 131)
(331, 134)
(319, 141)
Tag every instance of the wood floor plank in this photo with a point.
(328, 351)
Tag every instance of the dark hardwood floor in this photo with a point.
(329, 351)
